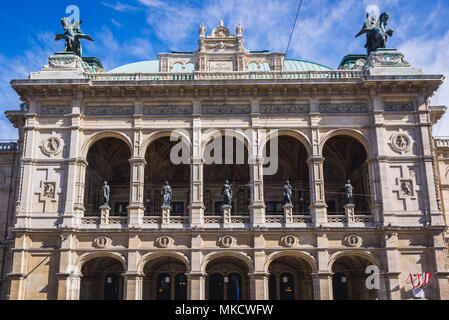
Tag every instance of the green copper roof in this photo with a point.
(302, 65)
(153, 67)
(138, 67)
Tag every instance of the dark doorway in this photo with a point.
(111, 287)
(180, 287)
(216, 287)
(272, 287)
(287, 287)
(164, 287)
(234, 287)
(340, 286)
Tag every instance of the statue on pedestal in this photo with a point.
(72, 36)
(166, 195)
(106, 194)
(376, 32)
(227, 193)
(349, 188)
(287, 192)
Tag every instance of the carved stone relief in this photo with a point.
(225, 109)
(284, 108)
(398, 106)
(54, 110)
(102, 242)
(353, 241)
(109, 110)
(343, 108)
(227, 241)
(164, 242)
(164, 110)
(289, 241)
(52, 146)
(401, 142)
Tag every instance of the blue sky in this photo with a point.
(136, 30)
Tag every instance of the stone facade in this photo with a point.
(315, 250)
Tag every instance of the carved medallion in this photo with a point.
(52, 146)
(400, 142)
(164, 242)
(227, 241)
(102, 242)
(353, 240)
(289, 241)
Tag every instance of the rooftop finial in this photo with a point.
(202, 30)
(221, 24)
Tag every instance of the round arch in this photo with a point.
(359, 136)
(362, 254)
(291, 253)
(102, 254)
(166, 254)
(103, 135)
(161, 134)
(230, 254)
(295, 134)
(207, 138)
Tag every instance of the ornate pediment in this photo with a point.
(221, 40)
(220, 32)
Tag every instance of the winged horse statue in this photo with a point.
(376, 32)
(72, 36)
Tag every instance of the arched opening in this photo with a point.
(227, 279)
(108, 160)
(290, 279)
(165, 279)
(349, 279)
(292, 159)
(235, 170)
(190, 67)
(102, 279)
(177, 67)
(160, 169)
(346, 159)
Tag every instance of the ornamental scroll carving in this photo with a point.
(163, 110)
(284, 108)
(225, 109)
(343, 108)
(109, 110)
(55, 110)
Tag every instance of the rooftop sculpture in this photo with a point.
(376, 32)
(72, 36)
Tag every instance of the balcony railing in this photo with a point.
(8, 146)
(248, 75)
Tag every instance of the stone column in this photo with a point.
(19, 267)
(68, 283)
(196, 286)
(80, 182)
(136, 208)
(165, 216)
(318, 207)
(69, 286)
(196, 207)
(322, 285)
(257, 206)
(393, 268)
(322, 278)
(349, 214)
(133, 286)
(259, 285)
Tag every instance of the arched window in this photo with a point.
(265, 67)
(163, 287)
(272, 287)
(177, 67)
(190, 67)
(111, 287)
(252, 67)
(234, 287)
(216, 287)
(340, 286)
(287, 286)
(180, 287)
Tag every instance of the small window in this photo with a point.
(120, 208)
(274, 207)
(177, 207)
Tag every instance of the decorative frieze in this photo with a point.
(398, 106)
(218, 108)
(167, 110)
(284, 108)
(54, 110)
(343, 108)
(109, 110)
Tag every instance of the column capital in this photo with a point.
(262, 275)
(132, 275)
(315, 158)
(197, 275)
(138, 160)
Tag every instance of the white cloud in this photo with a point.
(121, 7)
